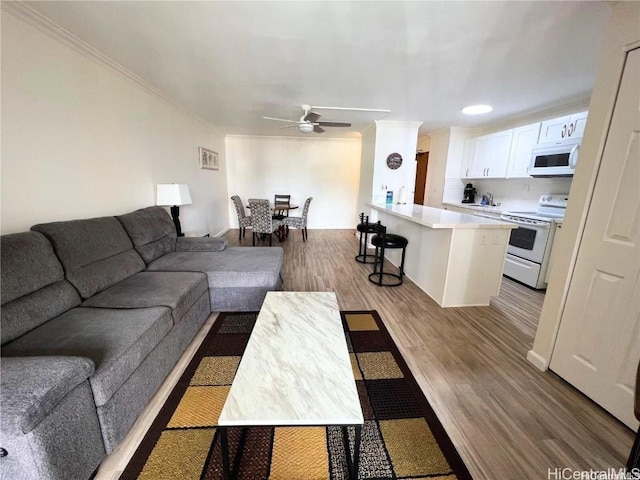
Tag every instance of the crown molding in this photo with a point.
(299, 138)
(21, 10)
(398, 123)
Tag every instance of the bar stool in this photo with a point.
(364, 227)
(382, 241)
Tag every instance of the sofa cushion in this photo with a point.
(151, 230)
(96, 252)
(116, 340)
(28, 264)
(235, 267)
(176, 290)
(201, 244)
(28, 312)
(33, 286)
(30, 387)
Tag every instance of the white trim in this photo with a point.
(307, 139)
(538, 361)
(398, 123)
(26, 13)
(222, 232)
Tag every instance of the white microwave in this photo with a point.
(554, 160)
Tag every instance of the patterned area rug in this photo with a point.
(401, 437)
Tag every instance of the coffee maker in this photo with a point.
(469, 194)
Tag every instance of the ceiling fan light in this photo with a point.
(305, 127)
(477, 109)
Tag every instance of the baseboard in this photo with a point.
(538, 361)
(221, 232)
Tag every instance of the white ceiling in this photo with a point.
(233, 62)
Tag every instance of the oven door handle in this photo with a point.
(526, 224)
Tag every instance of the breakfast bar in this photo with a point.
(456, 258)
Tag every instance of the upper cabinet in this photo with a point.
(524, 139)
(561, 129)
(507, 154)
(467, 156)
(489, 155)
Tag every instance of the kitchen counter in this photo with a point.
(456, 258)
(476, 207)
(438, 218)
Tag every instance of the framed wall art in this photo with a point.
(208, 159)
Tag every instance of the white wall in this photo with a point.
(424, 143)
(394, 137)
(323, 168)
(368, 153)
(438, 154)
(514, 194)
(80, 139)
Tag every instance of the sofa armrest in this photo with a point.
(30, 387)
(201, 244)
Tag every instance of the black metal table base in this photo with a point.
(230, 472)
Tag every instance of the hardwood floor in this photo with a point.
(506, 418)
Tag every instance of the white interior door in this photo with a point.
(598, 344)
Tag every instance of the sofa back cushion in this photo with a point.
(96, 253)
(152, 232)
(33, 286)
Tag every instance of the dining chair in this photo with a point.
(282, 201)
(300, 222)
(244, 220)
(261, 220)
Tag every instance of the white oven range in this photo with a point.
(530, 244)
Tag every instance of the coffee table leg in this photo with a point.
(224, 444)
(356, 452)
(352, 464)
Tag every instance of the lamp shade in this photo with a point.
(173, 194)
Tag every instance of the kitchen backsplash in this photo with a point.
(512, 193)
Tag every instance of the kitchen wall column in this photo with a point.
(378, 142)
(445, 159)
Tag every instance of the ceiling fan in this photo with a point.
(308, 122)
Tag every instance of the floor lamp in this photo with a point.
(174, 195)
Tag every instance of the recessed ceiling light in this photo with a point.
(477, 109)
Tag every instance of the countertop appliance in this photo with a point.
(469, 195)
(554, 160)
(530, 244)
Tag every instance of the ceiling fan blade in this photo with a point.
(334, 124)
(289, 126)
(280, 120)
(312, 117)
(318, 129)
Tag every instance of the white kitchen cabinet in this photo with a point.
(524, 139)
(561, 129)
(578, 120)
(490, 156)
(467, 156)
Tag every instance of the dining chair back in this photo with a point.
(282, 201)
(300, 222)
(261, 220)
(244, 220)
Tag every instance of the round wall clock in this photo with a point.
(394, 161)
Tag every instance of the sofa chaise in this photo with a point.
(95, 313)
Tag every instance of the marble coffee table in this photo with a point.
(295, 371)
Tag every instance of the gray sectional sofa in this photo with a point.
(95, 313)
